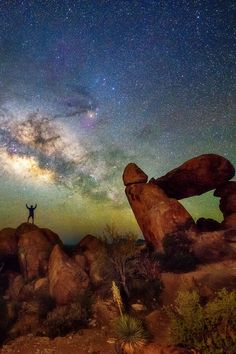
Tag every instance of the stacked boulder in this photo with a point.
(227, 193)
(158, 212)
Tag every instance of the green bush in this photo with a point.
(177, 255)
(130, 333)
(210, 328)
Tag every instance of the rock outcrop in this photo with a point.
(157, 214)
(215, 246)
(91, 253)
(33, 252)
(24, 228)
(66, 279)
(133, 174)
(196, 176)
(207, 279)
(205, 225)
(8, 243)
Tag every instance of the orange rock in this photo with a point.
(228, 204)
(134, 174)
(52, 237)
(156, 214)
(226, 189)
(229, 221)
(90, 246)
(213, 246)
(33, 252)
(66, 279)
(8, 243)
(25, 227)
(196, 176)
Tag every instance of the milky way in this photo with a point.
(88, 86)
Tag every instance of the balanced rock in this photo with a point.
(8, 243)
(225, 189)
(229, 221)
(134, 174)
(157, 214)
(33, 252)
(228, 204)
(66, 279)
(196, 176)
(214, 246)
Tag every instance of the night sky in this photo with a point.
(89, 86)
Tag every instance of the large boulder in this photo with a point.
(157, 214)
(215, 246)
(229, 221)
(24, 228)
(134, 174)
(33, 252)
(196, 176)
(52, 237)
(207, 279)
(228, 204)
(225, 189)
(8, 243)
(90, 246)
(66, 279)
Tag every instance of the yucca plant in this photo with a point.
(131, 335)
(117, 297)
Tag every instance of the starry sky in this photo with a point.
(89, 86)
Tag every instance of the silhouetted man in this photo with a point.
(31, 212)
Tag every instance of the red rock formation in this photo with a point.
(156, 214)
(228, 204)
(52, 237)
(33, 252)
(229, 221)
(25, 227)
(8, 243)
(66, 279)
(214, 246)
(134, 174)
(90, 246)
(225, 189)
(196, 176)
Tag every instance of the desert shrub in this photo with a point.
(210, 328)
(64, 319)
(145, 283)
(122, 252)
(130, 333)
(178, 255)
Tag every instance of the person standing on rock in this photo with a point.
(31, 212)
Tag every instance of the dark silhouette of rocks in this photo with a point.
(196, 176)
(66, 279)
(204, 225)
